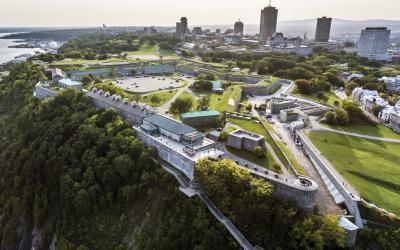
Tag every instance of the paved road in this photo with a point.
(325, 201)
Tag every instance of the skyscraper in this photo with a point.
(323, 30)
(268, 22)
(238, 28)
(374, 43)
(182, 29)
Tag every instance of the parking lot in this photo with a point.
(145, 84)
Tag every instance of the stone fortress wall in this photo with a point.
(184, 164)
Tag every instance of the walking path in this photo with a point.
(164, 108)
(233, 230)
(318, 127)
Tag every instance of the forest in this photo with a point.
(75, 177)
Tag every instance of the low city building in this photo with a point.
(68, 83)
(392, 83)
(206, 118)
(131, 111)
(288, 115)
(241, 139)
(368, 99)
(56, 83)
(233, 39)
(276, 105)
(217, 87)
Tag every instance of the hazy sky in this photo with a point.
(167, 12)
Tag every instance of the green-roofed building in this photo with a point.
(217, 87)
(173, 129)
(198, 119)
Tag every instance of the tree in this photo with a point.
(321, 96)
(342, 117)
(276, 168)
(377, 109)
(203, 103)
(336, 103)
(259, 152)
(350, 87)
(249, 107)
(304, 86)
(86, 79)
(330, 118)
(203, 85)
(155, 99)
(136, 98)
(223, 136)
(222, 120)
(181, 105)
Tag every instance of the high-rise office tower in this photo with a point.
(268, 22)
(323, 30)
(238, 28)
(182, 29)
(374, 43)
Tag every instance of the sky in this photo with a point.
(68, 13)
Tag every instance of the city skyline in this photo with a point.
(122, 13)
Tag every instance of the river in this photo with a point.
(8, 54)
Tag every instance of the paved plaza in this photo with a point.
(147, 84)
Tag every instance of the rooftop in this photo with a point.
(70, 83)
(169, 124)
(246, 134)
(200, 114)
(217, 84)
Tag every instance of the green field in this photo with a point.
(250, 125)
(164, 96)
(366, 129)
(145, 49)
(222, 102)
(266, 162)
(372, 167)
(331, 97)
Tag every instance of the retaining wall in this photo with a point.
(350, 202)
(250, 89)
(41, 92)
(179, 161)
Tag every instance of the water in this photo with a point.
(8, 54)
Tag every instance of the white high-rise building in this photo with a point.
(374, 43)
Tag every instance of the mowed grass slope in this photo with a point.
(372, 167)
(366, 129)
(329, 94)
(225, 101)
(164, 97)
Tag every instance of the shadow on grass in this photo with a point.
(389, 185)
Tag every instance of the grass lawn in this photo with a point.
(222, 102)
(372, 167)
(164, 96)
(366, 129)
(266, 162)
(145, 49)
(331, 97)
(251, 126)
